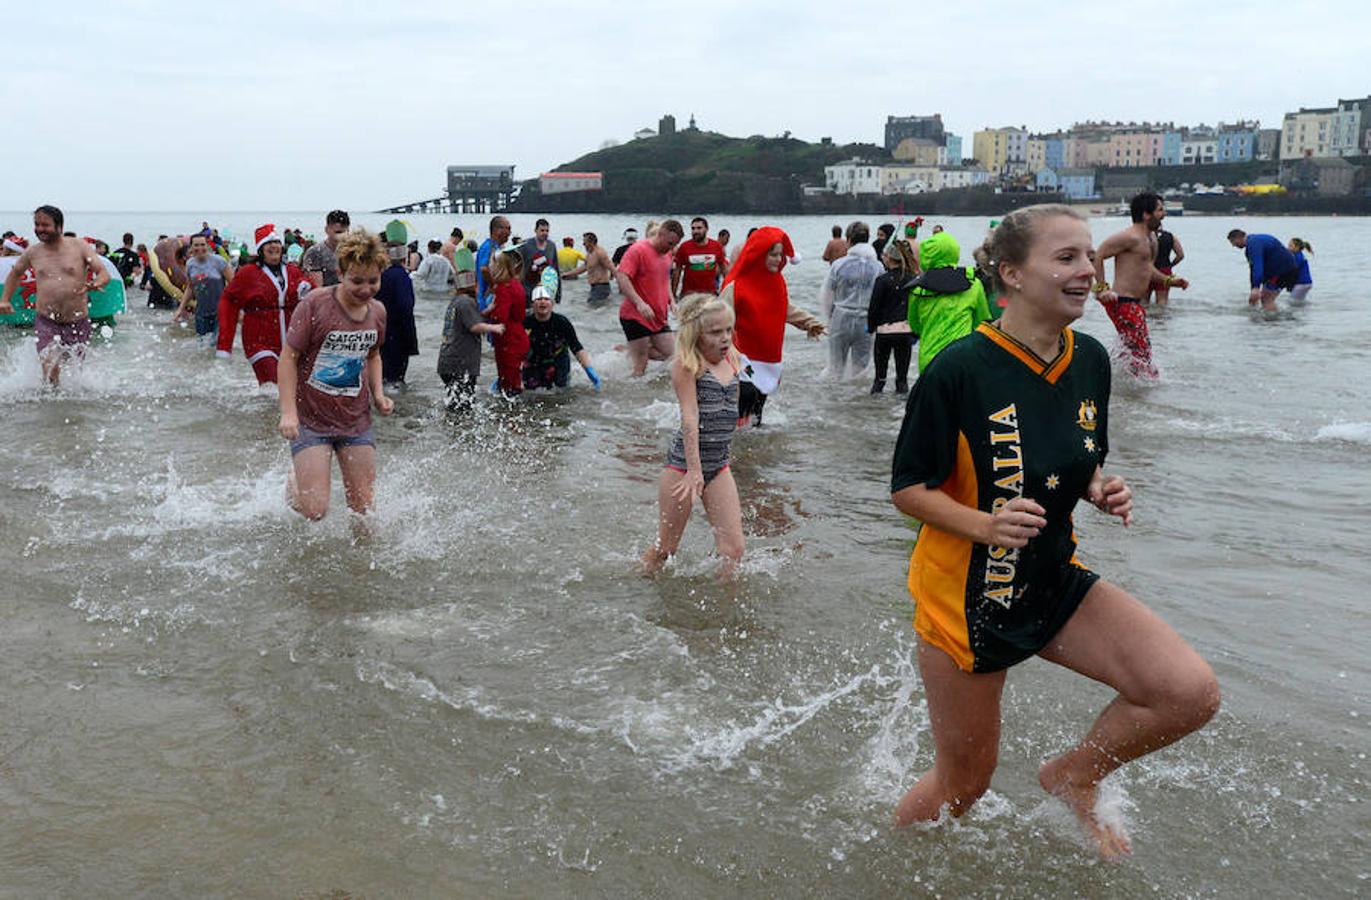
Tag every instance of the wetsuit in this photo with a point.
(718, 405)
(989, 421)
(127, 261)
(551, 346)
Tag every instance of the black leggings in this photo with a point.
(902, 345)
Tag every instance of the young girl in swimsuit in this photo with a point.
(704, 373)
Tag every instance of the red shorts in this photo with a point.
(1130, 320)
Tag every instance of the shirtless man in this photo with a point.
(598, 268)
(836, 248)
(1135, 252)
(60, 265)
(449, 250)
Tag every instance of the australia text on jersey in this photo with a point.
(1001, 562)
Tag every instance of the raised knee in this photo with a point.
(1196, 697)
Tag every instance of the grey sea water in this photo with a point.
(476, 695)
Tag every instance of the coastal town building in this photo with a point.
(1171, 149)
(1308, 132)
(1351, 119)
(854, 176)
(1268, 143)
(1077, 183)
(1001, 150)
(953, 146)
(1199, 146)
(1236, 142)
(901, 128)
(1326, 176)
(909, 178)
(1133, 149)
(920, 151)
(569, 182)
(954, 177)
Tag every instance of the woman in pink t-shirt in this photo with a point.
(330, 375)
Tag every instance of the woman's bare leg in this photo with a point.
(964, 710)
(1165, 691)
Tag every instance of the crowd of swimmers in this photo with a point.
(1006, 426)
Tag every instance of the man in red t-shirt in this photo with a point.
(644, 276)
(700, 262)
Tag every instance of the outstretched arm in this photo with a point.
(806, 321)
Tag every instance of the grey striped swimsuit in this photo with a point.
(718, 418)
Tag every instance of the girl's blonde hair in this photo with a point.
(360, 249)
(691, 314)
(1301, 245)
(505, 267)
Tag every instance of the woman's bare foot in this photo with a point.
(653, 559)
(1111, 841)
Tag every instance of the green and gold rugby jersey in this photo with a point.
(988, 421)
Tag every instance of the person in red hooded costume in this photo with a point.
(761, 304)
(266, 294)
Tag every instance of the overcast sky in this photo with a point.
(304, 106)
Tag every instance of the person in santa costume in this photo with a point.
(266, 294)
(762, 307)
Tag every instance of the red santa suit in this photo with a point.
(266, 302)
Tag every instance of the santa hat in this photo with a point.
(264, 234)
(16, 244)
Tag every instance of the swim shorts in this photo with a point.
(599, 293)
(1281, 282)
(75, 335)
(308, 437)
(633, 329)
(1130, 320)
(997, 637)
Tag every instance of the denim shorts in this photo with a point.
(308, 437)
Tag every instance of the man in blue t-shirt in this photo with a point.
(499, 233)
(1273, 267)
